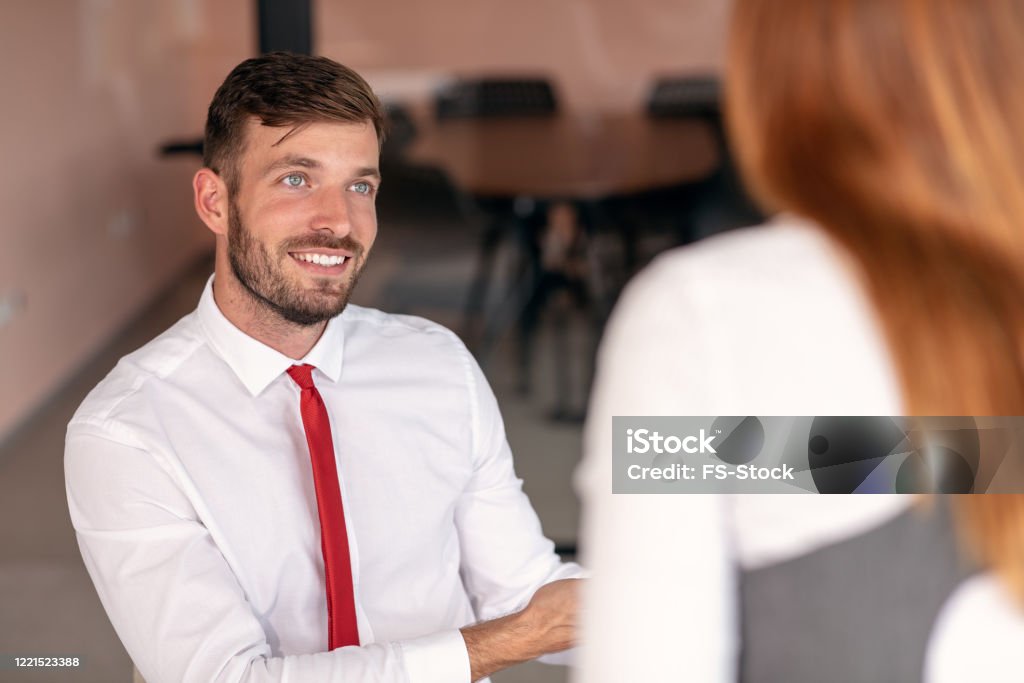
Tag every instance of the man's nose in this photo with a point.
(332, 212)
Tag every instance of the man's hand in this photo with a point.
(548, 624)
(551, 616)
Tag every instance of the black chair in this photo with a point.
(705, 206)
(399, 131)
(182, 147)
(719, 202)
(414, 190)
(692, 97)
(516, 220)
(496, 97)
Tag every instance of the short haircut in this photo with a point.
(283, 89)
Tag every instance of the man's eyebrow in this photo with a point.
(370, 171)
(292, 161)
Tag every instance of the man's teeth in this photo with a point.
(321, 259)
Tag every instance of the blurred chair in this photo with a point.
(399, 131)
(719, 202)
(697, 209)
(182, 147)
(519, 218)
(419, 186)
(496, 97)
(686, 97)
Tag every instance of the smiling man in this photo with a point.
(286, 487)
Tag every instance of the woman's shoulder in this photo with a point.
(772, 318)
(787, 250)
(784, 284)
(977, 636)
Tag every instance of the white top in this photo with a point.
(977, 637)
(763, 321)
(191, 492)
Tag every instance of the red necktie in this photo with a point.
(341, 603)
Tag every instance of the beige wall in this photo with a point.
(601, 52)
(94, 224)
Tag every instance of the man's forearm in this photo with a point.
(498, 644)
(548, 624)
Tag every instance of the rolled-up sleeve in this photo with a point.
(505, 555)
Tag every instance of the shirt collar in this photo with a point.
(255, 363)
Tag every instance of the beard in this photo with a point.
(261, 273)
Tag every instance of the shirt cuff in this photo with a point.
(437, 658)
(564, 658)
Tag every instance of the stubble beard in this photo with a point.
(255, 267)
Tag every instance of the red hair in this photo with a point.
(896, 126)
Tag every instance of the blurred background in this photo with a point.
(540, 152)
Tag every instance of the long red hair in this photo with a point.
(898, 127)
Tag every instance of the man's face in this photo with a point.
(303, 217)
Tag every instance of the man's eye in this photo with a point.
(362, 187)
(294, 180)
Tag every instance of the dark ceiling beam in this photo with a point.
(285, 25)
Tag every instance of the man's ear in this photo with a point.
(211, 200)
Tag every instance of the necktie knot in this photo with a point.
(303, 375)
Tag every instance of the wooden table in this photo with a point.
(572, 156)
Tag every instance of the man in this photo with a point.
(281, 487)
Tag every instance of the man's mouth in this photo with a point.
(320, 259)
(323, 262)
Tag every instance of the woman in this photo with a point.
(888, 134)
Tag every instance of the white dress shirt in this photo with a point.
(764, 321)
(191, 492)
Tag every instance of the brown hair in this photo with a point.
(895, 126)
(283, 89)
